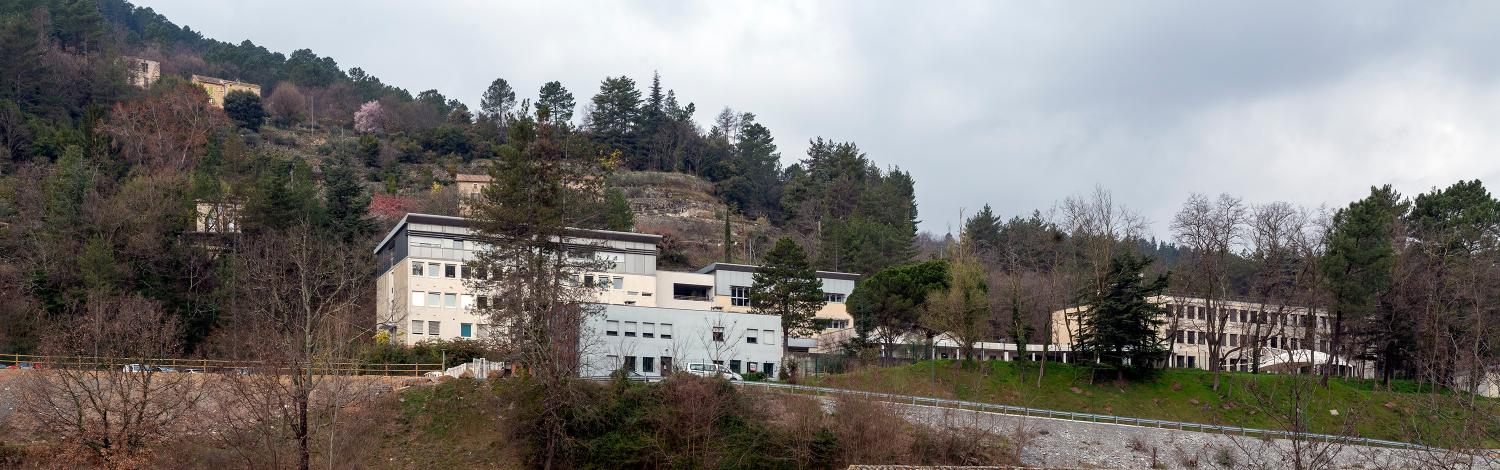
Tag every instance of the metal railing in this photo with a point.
(1084, 417)
(208, 365)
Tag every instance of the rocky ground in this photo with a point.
(1053, 443)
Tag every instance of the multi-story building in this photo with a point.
(142, 73)
(1281, 338)
(421, 295)
(218, 88)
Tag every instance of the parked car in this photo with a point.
(165, 369)
(134, 368)
(23, 365)
(705, 369)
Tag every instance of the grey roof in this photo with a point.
(451, 221)
(750, 268)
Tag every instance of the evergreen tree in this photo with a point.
(557, 101)
(497, 100)
(1359, 261)
(1119, 326)
(983, 229)
(346, 204)
(888, 303)
(245, 109)
(786, 285)
(617, 214)
(614, 119)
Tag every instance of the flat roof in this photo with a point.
(750, 268)
(451, 221)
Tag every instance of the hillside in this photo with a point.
(1248, 400)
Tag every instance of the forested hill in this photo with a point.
(100, 180)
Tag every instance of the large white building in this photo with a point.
(662, 317)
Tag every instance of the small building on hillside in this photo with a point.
(218, 88)
(141, 73)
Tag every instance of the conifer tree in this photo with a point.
(786, 285)
(1119, 327)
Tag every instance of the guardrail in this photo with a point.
(208, 365)
(1085, 417)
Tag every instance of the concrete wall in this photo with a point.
(747, 339)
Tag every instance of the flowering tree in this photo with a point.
(370, 117)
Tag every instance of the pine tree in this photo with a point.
(615, 117)
(1359, 262)
(346, 204)
(557, 101)
(1119, 327)
(786, 285)
(498, 99)
(984, 229)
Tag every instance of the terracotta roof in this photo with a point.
(462, 178)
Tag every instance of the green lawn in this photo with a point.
(1250, 400)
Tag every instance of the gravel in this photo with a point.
(1055, 443)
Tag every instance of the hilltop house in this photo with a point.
(218, 88)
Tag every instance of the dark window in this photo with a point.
(630, 363)
(719, 334)
(734, 365)
(739, 296)
(769, 368)
(648, 364)
(666, 365)
(450, 270)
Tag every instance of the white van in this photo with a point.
(706, 369)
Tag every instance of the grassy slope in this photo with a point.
(451, 425)
(1248, 400)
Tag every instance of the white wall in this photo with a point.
(691, 338)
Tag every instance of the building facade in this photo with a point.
(142, 73)
(421, 295)
(1280, 338)
(218, 88)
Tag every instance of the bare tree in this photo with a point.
(116, 410)
(962, 310)
(1210, 230)
(298, 317)
(1098, 227)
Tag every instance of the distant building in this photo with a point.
(218, 88)
(142, 73)
(469, 189)
(651, 319)
(217, 217)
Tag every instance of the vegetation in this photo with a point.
(1406, 411)
(787, 286)
(1120, 327)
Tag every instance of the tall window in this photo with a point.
(719, 334)
(648, 330)
(630, 363)
(466, 330)
(611, 328)
(434, 299)
(450, 270)
(630, 329)
(434, 327)
(739, 296)
(450, 300)
(434, 269)
(416, 268)
(648, 364)
(666, 331)
(750, 337)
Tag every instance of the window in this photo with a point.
(450, 271)
(434, 299)
(450, 300)
(739, 296)
(769, 336)
(416, 268)
(465, 300)
(648, 364)
(666, 333)
(630, 329)
(1192, 337)
(666, 365)
(750, 336)
(630, 363)
(588, 280)
(619, 283)
(1234, 340)
(466, 330)
(612, 328)
(433, 269)
(458, 244)
(416, 327)
(482, 301)
(648, 330)
(768, 368)
(833, 298)
(433, 327)
(734, 365)
(719, 334)
(418, 299)
(465, 272)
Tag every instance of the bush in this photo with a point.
(754, 377)
(244, 108)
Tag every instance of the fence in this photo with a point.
(208, 365)
(1087, 417)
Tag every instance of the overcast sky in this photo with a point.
(1015, 104)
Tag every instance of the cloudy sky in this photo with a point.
(1015, 104)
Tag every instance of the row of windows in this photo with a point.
(644, 329)
(739, 296)
(648, 365)
(1194, 312)
(1236, 340)
(435, 328)
(442, 299)
(448, 270)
